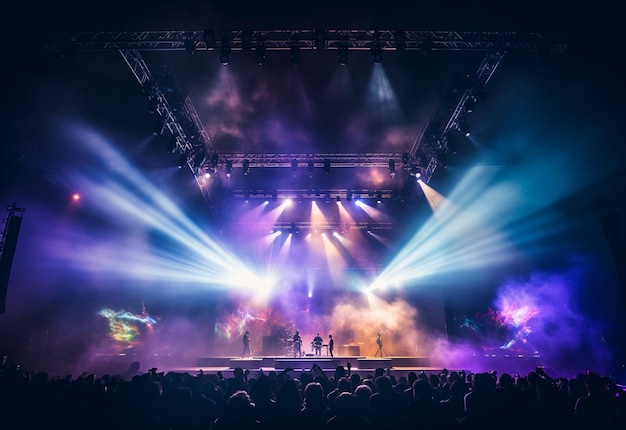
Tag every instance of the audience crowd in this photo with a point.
(312, 399)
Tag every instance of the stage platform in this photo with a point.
(128, 364)
(280, 363)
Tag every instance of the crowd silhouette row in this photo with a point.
(312, 399)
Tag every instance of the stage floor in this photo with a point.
(359, 364)
(306, 362)
(363, 365)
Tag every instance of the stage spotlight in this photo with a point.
(259, 55)
(377, 54)
(190, 45)
(76, 197)
(400, 40)
(349, 195)
(469, 104)
(326, 165)
(414, 169)
(405, 159)
(379, 197)
(182, 160)
(246, 196)
(294, 53)
(320, 38)
(464, 127)
(246, 40)
(229, 168)
(392, 168)
(338, 199)
(342, 54)
(246, 167)
(311, 168)
(225, 55)
(369, 228)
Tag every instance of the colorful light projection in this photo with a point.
(233, 324)
(125, 326)
(506, 329)
(260, 321)
(535, 316)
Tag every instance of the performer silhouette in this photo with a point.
(297, 345)
(331, 345)
(317, 344)
(379, 342)
(246, 344)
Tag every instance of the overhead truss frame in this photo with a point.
(194, 144)
(212, 39)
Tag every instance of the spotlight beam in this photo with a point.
(482, 225)
(121, 192)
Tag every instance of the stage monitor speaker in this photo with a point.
(271, 345)
(9, 243)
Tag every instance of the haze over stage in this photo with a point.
(510, 241)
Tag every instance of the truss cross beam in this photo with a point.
(211, 39)
(434, 141)
(184, 124)
(336, 160)
(313, 194)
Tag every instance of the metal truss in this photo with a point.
(12, 211)
(178, 113)
(433, 143)
(193, 143)
(308, 160)
(212, 39)
(314, 226)
(323, 194)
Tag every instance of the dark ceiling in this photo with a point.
(312, 111)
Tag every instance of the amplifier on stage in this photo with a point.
(350, 350)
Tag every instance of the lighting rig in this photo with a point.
(192, 142)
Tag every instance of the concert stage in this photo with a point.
(305, 363)
(129, 364)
